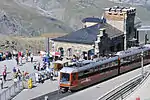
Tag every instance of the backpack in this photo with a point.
(4, 73)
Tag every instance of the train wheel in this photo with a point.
(71, 91)
(66, 89)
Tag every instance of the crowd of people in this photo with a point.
(18, 75)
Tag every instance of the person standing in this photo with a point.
(34, 65)
(17, 60)
(38, 66)
(31, 57)
(14, 70)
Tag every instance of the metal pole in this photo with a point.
(125, 38)
(142, 64)
(48, 46)
(145, 37)
(48, 49)
(57, 97)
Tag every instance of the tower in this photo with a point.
(122, 18)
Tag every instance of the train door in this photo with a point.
(74, 79)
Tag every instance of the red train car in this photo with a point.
(88, 72)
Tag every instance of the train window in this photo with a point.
(80, 74)
(103, 66)
(74, 76)
(110, 64)
(96, 68)
(115, 63)
(91, 70)
(65, 77)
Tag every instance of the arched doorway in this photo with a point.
(119, 47)
(61, 50)
(90, 53)
(85, 55)
(69, 51)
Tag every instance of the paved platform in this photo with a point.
(27, 66)
(41, 89)
(142, 92)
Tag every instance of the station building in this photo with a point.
(101, 36)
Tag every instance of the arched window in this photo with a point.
(61, 50)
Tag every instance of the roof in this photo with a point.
(92, 64)
(133, 50)
(68, 70)
(88, 35)
(92, 19)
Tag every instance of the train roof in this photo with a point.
(91, 64)
(133, 50)
(94, 64)
(68, 70)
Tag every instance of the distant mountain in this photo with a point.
(72, 12)
(34, 17)
(23, 20)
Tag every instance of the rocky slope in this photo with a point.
(33, 17)
(19, 19)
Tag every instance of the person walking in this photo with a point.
(4, 75)
(1, 82)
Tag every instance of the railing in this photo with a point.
(12, 91)
(17, 87)
(32, 76)
(120, 92)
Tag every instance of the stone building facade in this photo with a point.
(72, 48)
(100, 35)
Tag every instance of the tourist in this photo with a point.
(4, 74)
(39, 66)
(20, 59)
(1, 82)
(31, 57)
(35, 66)
(36, 77)
(17, 60)
(14, 70)
(19, 74)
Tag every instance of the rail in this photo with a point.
(123, 90)
(12, 91)
(15, 88)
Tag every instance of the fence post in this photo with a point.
(9, 92)
(5, 95)
(121, 96)
(14, 88)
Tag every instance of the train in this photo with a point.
(88, 72)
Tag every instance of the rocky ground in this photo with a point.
(21, 43)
